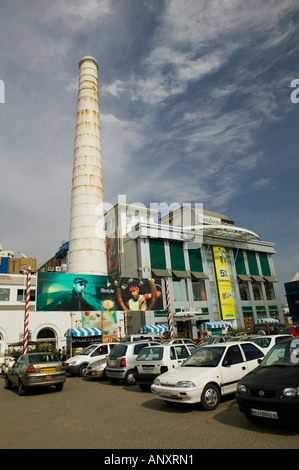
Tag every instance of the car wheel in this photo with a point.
(130, 378)
(8, 383)
(83, 370)
(210, 397)
(59, 387)
(22, 390)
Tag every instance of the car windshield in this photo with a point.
(89, 350)
(150, 354)
(285, 353)
(205, 357)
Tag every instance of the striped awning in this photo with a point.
(160, 329)
(83, 332)
(215, 324)
(268, 320)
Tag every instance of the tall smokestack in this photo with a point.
(87, 245)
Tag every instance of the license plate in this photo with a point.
(148, 367)
(113, 362)
(264, 413)
(48, 371)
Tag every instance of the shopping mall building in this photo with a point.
(216, 270)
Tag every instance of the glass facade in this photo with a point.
(194, 285)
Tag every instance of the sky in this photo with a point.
(198, 104)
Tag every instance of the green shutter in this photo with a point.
(177, 256)
(252, 263)
(265, 264)
(195, 260)
(157, 253)
(239, 262)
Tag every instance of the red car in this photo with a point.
(291, 330)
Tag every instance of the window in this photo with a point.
(100, 351)
(251, 352)
(138, 347)
(257, 291)
(180, 291)
(199, 290)
(269, 291)
(21, 295)
(182, 352)
(244, 290)
(172, 353)
(4, 295)
(233, 355)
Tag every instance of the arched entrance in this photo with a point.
(46, 335)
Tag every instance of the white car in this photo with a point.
(77, 365)
(268, 341)
(155, 360)
(211, 372)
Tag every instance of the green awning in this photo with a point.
(181, 274)
(199, 275)
(270, 279)
(160, 273)
(258, 278)
(244, 277)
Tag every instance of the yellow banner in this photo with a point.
(224, 284)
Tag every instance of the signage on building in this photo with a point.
(223, 283)
(75, 292)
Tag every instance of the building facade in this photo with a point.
(190, 258)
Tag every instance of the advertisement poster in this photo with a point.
(74, 292)
(223, 283)
(107, 321)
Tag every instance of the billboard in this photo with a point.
(223, 282)
(75, 292)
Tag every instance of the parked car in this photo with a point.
(178, 341)
(214, 340)
(155, 360)
(271, 391)
(77, 365)
(211, 372)
(36, 369)
(291, 330)
(267, 328)
(267, 342)
(121, 361)
(97, 369)
(142, 336)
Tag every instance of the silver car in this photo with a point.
(36, 369)
(97, 369)
(121, 361)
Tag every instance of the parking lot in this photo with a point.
(94, 414)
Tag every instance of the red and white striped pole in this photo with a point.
(26, 325)
(170, 331)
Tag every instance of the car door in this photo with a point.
(181, 354)
(101, 351)
(252, 355)
(233, 367)
(15, 370)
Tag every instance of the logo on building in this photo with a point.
(295, 93)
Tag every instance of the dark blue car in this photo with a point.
(271, 391)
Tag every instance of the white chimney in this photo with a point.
(87, 244)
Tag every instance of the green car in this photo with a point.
(35, 370)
